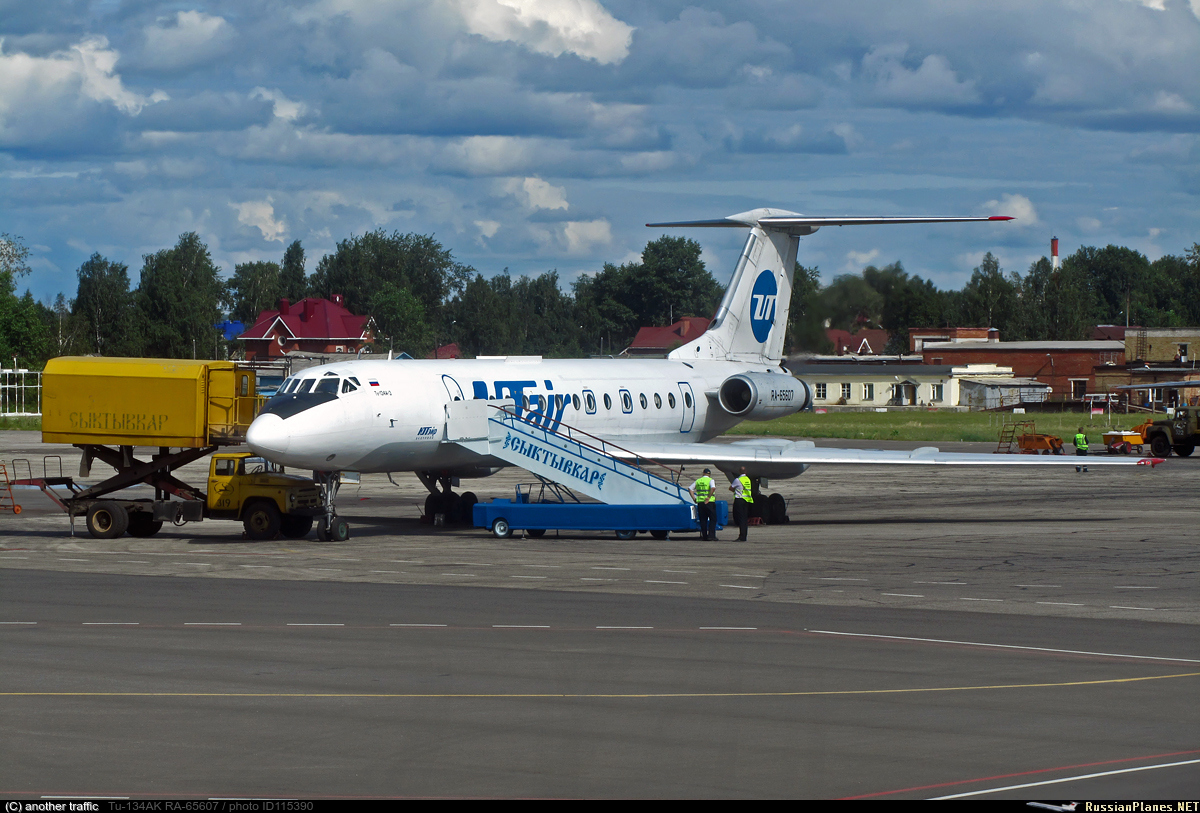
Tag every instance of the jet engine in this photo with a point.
(762, 396)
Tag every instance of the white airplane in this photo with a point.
(389, 416)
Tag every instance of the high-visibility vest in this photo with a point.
(746, 495)
(704, 490)
(1081, 441)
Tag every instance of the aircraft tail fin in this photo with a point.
(751, 322)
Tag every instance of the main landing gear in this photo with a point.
(442, 501)
(330, 527)
(770, 508)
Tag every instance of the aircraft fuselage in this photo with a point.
(379, 416)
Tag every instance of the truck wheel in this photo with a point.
(1160, 446)
(107, 520)
(1184, 449)
(261, 520)
(626, 534)
(295, 527)
(501, 529)
(536, 533)
(659, 534)
(142, 524)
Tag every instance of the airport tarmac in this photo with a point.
(443, 661)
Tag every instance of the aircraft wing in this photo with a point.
(776, 456)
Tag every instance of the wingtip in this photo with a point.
(1001, 217)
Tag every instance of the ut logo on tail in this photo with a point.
(762, 305)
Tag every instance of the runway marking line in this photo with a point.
(617, 696)
(1072, 779)
(1002, 646)
(1019, 773)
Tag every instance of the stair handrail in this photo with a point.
(601, 448)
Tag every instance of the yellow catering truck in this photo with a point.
(182, 410)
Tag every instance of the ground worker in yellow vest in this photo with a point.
(704, 492)
(743, 498)
(1081, 447)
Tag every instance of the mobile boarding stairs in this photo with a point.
(630, 497)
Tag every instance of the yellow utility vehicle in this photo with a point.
(179, 410)
(266, 499)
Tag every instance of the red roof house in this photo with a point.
(866, 342)
(308, 326)
(658, 341)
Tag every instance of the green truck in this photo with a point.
(1178, 433)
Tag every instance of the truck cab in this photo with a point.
(1179, 433)
(262, 495)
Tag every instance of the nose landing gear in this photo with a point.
(330, 527)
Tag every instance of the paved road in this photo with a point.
(120, 685)
(197, 663)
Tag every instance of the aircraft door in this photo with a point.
(688, 402)
(452, 389)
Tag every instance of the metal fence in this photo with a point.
(20, 393)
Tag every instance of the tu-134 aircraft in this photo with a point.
(374, 416)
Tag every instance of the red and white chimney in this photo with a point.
(1054, 253)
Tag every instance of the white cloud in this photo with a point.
(1087, 223)
(934, 82)
(536, 193)
(284, 108)
(856, 260)
(39, 94)
(487, 228)
(192, 38)
(1017, 206)
(554, 27)
(261, 215)
(582, 235)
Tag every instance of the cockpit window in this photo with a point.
(329, 385)
(305, 385)
(348, 386)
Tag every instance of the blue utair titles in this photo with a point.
(544, 410)
(571, 468)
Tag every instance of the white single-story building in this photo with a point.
(863, 386)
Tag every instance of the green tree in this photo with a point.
(106, 309)
(806, 321)
(23, 330)
(361, 266)
(292, 281)
(990, 299)
(180, 299)
(400, 321)
(670, 282)
(255, 287)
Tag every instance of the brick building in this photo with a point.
(1068, 367)
(918, 337)
(321, 326)
(652, 342)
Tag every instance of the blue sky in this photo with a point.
(543, 134)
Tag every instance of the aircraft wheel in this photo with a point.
(142, 524)
(659, 534)
(536, 533)
(501, 529)
(1160, 446)
(776, 509)
(451, 505)
(107, 520)
(433, 505)
(1184, 449)
(339, 530)
(626, 534)
(261, 520)
(295, 527)
(466, 505)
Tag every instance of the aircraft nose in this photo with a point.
(268, 435)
